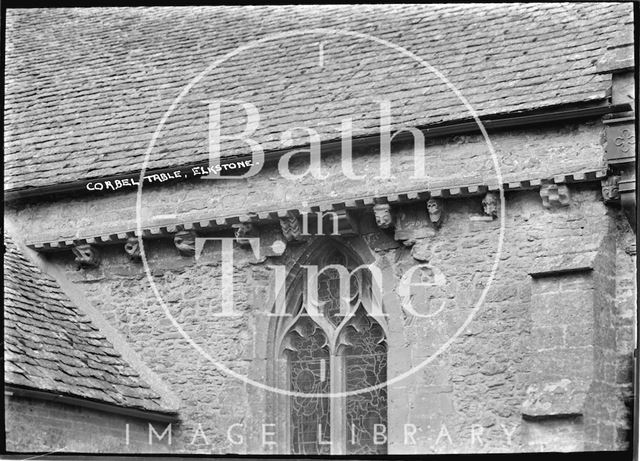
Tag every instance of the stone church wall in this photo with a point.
(544, 363)
(34, 425)
(523, 154)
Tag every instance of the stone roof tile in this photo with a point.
(86, 88)
(50, 346)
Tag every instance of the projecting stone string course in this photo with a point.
(408, 221)
(553, 192)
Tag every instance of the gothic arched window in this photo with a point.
(328, 352)
(364, 351)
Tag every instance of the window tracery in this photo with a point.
(334, 354)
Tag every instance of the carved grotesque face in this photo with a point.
(434, 207)
(185, 242)
(490, 204)
(86, 255)
(382, 211)
(610, 190)
(132, 248)
(243, 231)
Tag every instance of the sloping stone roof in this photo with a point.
(50, 346)
(86, 88)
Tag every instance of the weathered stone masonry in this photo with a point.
(549, 323)
(524, 155)
(69, 387)
(41, 426)
(543, 363)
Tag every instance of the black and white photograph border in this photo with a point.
(376, 229)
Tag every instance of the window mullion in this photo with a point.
(337, 414)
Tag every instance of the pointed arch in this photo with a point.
(306, 349)
(337, 364)
(362, 345)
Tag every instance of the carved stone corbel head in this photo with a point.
(86, 255)
(435, 208)
(132, 248)
(384, 218)
(490, 204)
(185, 242)
(554, 195)
(243, 232)
(610, 191)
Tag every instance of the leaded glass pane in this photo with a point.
(362, 352)
(329, 286)
(308, 355)
(365, 358)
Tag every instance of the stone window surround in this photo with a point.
(280, 326)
